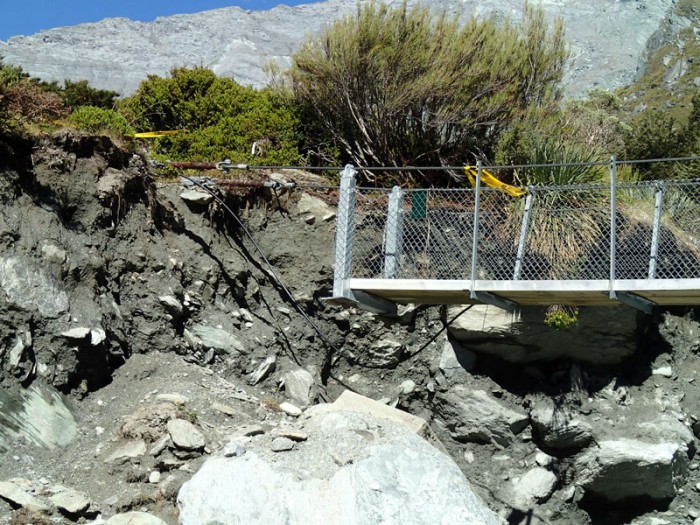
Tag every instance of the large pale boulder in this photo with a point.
(602, 335)
(353, 469)
(627, 468)
(472, 415)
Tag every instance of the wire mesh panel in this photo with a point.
(500, 224)
(437, 234)
(568, 235)
(634, 220)
(552, 233)
(370, 223)
(679, 235)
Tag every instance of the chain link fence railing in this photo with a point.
(551, 233)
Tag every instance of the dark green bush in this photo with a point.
(100, 120)
(222, 119)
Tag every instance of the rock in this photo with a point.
(598, 337)
(154, 477)
(290, 409)
(384, 353)
(233, 449)
(300, 387)
(290, 434)
(148, 421)
(626, 468)
(69, 500)
(281, 444)
(315, 208)
(351, 402)
(535, 486)
(174, 398)
(16, 496)
(663, 371)
(172, 305)
(226, 409)
(474, 416)
(384, 474)
(544, 460)
(263, 370)
(160, 445)
(127, 450)
(31, 288)
(455, 358)
(97, 336)
(185, 435)
(16, 353)
(218, 339)
(197, 197)
(249, 430)
(561, 428)
(407, 387)
(22, 409)
(77, 333)
(135, 518)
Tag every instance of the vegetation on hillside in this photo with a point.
(220, 119)
(401, 87)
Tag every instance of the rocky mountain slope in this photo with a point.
(609, 41)
(153, 369)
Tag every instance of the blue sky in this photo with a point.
(26, 17)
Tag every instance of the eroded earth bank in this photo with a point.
(153, 368)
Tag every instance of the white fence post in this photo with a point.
(344, 231)
(393, 235)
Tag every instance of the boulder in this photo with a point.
(455, 358)
(30, 287)
(300, 387)
(601, 336)
(196, 197)
(314, 207)
(38, 415)
(535, 486)
(384, 353)
(627, 468)
(69, 500)
(475, 416)
(135, 518)
(185, 435)
(354, 468)
(21, 498)
(561, 428)
(217, 339)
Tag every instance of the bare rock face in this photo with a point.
(353, 468)
(601, 336)
(477, 417)
(626, 468)
(608, 41)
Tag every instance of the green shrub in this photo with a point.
(99, 120)
(403, 87)
(80, 93)
(561, 317)
(223, 119)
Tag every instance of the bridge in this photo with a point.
(603, 244)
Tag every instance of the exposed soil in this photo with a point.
(109, 249)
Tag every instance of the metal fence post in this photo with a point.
(613, 223)
(344, 230)
(658, 209)
(524, 230)
(475, 236)
(393, 235)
